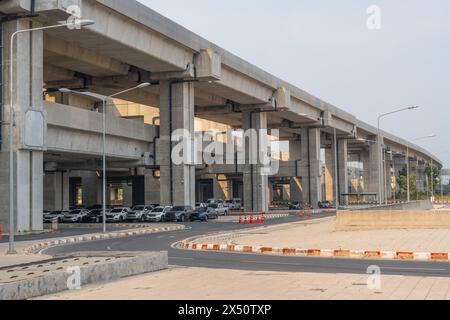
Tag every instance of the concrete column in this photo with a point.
(221, 187)
(152, 189)
(28, 163)
(311, 167)
(295, 154)
(177, 112)
(330, 173)
(373, 169)
(91, 184)
(56, 191)
(256, 184)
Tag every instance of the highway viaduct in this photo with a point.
(196, 85)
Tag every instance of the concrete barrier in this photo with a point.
(411, 206)
(392, 219)
(54, 281)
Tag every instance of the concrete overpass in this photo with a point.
(191, 78)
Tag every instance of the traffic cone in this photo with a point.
(240, 219)
(258, 220)
(245, 219)
(263, 220)
(251, 219)
(301, 215)
(1, 232)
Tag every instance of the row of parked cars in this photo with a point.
(297, 205)
(140, 213)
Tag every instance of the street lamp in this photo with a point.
(407, 163)
(380, 151)
(76, 24)
(104, 100)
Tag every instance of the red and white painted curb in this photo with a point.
(338, 253)
(100, 236)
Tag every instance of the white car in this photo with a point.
(158, 214)
(49, 217)
(117, 214)
(234, 204)
(219, 209)
(76, 216)
(138, 213)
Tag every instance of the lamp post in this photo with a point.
(104, 100)
(380, 151)
(12, 226)
(408, 166)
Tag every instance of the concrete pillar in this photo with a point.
(330, 173)
(177, 112)
(221, 187)
(311, 167)
(295, 154)
(256, 184)
(373, 169)
(127, 195)
(28, 161)
(152, 189)
(91, 184)
(56, 191)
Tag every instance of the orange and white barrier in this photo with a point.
(324, 253)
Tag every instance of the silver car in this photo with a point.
(51, 216)
(117, 214)
(158, 214)
(138, 213)
(76, 216)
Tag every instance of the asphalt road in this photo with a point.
(250, 262)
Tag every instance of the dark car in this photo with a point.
(96, 216)
(326, 205)
(297, 205)
(179, 214)
(203, 214)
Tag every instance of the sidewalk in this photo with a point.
(184, 283)
(321, 235)
(24, 257)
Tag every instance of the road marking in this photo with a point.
(415, 269)
(276, 263)
(180, 258)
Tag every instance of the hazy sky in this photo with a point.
(325, 48)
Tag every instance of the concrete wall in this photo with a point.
(403, 219)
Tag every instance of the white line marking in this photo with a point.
(421, 269)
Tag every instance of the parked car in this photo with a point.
(211, 201)
(200, 205)
(117, 214)
(96, 216)
(234, 204)
(179, 213)
(203, 214)
(326, 205)
(77, 216)
(297, 205)
(139, 213)
(158, 214)
(219, 209)
(50, 216)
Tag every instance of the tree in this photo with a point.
(432, 172)
(402, 181)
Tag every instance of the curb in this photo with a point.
(324, 253)
(95, 237)
(129, 264)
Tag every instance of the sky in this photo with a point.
(326, 48)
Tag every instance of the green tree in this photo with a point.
(402, 181)
(432, 173)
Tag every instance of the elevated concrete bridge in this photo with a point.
(191, 78)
